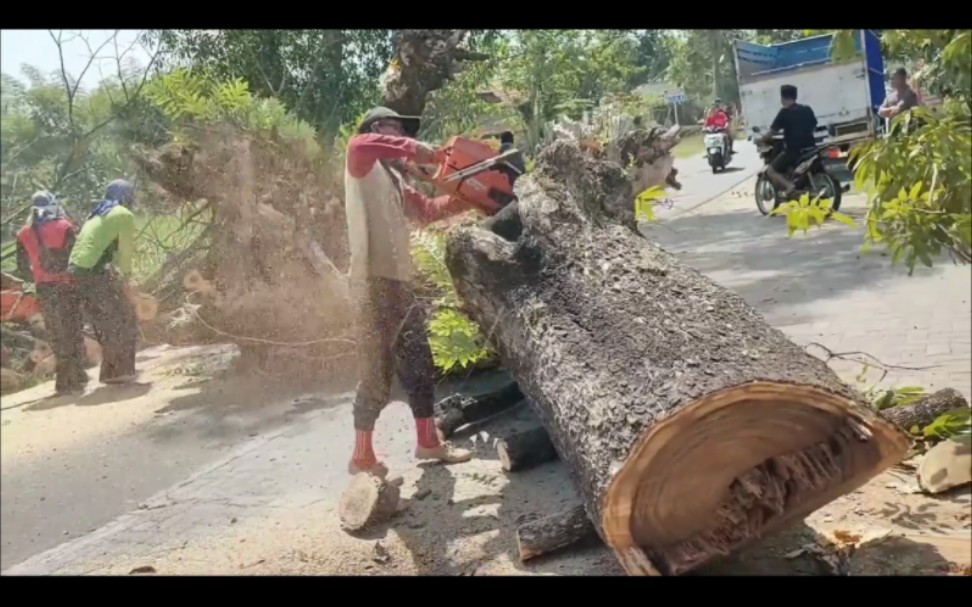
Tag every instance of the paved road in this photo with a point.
(699, 185)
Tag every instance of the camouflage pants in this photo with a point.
(62, 318)
(113, 320)
(392, 337)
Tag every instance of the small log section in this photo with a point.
(457, 410)
(926, 409)
(368, 501)
(690, 426)
(526, 450)
(543, 535)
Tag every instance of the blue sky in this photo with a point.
(36, 47)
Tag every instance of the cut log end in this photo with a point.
(735, 465)
(368, 501)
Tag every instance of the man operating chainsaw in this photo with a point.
(392, 323)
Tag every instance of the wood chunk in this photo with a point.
(368, 501)
(543, 535)
(926, 409)
(946, 465)
(526, 450)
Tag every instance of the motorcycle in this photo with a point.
(716, 141)
(808, 176)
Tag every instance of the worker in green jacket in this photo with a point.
(101, 263)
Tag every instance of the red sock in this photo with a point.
(428, 438)
(364, 452)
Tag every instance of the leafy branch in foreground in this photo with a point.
(804, 213)
(921, 186)
(453, 337)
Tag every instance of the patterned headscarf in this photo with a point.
(45, 208)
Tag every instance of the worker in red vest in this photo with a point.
(43, 248)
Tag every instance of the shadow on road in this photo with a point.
(102, 395)
(752, 255)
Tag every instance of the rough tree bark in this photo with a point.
(691, 426)
(425, 60)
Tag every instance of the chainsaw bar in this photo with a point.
(485, 165)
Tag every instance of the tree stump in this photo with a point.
(691, 427)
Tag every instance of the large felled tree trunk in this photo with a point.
(691, 427)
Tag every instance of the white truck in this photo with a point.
(844, 96)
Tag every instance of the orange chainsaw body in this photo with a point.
(489, 190)
(16, 305)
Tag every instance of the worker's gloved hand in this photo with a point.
(425, 154)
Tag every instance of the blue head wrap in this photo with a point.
(119, 191)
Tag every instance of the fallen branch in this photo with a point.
(866, 360)
(926, 409)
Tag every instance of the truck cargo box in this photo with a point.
(844, 96)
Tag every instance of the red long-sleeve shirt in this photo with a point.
(367, 149)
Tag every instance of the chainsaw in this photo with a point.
(471, 170)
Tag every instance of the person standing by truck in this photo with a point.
(100, 263)
(43, 249)
(901, 98)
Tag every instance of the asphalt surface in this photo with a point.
(71, 466)
(700, 185)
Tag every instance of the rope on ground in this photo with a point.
(296, 344)
(269, 342)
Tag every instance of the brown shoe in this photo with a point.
(445, 453)
(379, 469)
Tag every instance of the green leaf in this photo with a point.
(845, 219)
(915, 190)
(956, 422)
